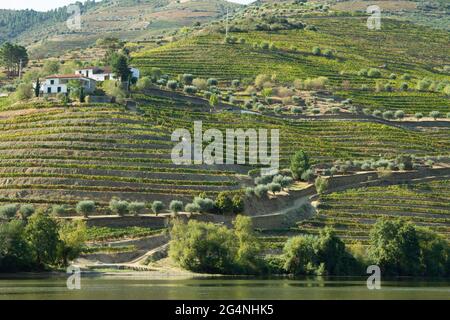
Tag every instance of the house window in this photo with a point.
(52, 82)
(59, 89)
(49, 90)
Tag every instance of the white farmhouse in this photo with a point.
(59, 83)
(103, 73)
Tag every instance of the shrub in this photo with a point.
(119, 207)
(172, 84)
(399, 114)
(316, 51)
(204, 204)
(238, 204)
(192, 208)
(418, 115)
(328, 53)
(236, 83)
(335, 110)
(8, 211)
(249, 192)
(224, 203)
(274, 187)
(261, 191)
(176, 206)
(392, 76)
(25, 211)
(157, 207)
(187, 78)
(299, 164)
(321, 184)
(362, 73)
(59, 210)
(212, 82)
(377, 113)
(201, 84)
(404, 86)
(190, 90)
(423, 84)
(265, 45)
(23, 92)
(85, 208)
(308, 175)
(144, 83)
(388, 115)
(136, 208)
(296, 110)
(406, 76)
(448, 115)
(374, 73)
(435, 114)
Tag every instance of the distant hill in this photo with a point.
(47, 33)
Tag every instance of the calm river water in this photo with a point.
(141, 287)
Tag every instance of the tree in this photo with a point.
(136, 208)
(435, 253)
(73, 236)
(157, 207)
(85, 208)
(15, 253)
(144, 83)
(394, 246)
(321, 184)
(43, 236)
(435, 115)
(224, 203)
(119, 65)
(8, 211)
(50, 67)
(299, 164)
(119, 207)
(203, 247)
(37, 88)
(213, 101)
(14, 58)
(249, 248)
(23, 92)
(299, 255)
(26, 211)
(331, 252)
(176, 206)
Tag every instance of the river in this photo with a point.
(142, 287)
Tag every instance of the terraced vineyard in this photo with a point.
(324, 140)
(63, 155)
(403, 47)
(409, 102)
(352, 212)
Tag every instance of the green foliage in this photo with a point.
(13, 57)
(25, 211)
(144, 83)
(374, 73)
(435, 115)
(400, 248)
(299, 164)
(224, 203)
(176, 206)
(321, 184)
(43, 235)
(157, 207)
(119, 65)
(325, 254)
(85, 208)
(8, 211)
(136, 208)
(210, 248)
(119, 207)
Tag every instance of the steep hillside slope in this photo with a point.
(48, 34)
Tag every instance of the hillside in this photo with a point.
(403, 53)
(47, 33)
